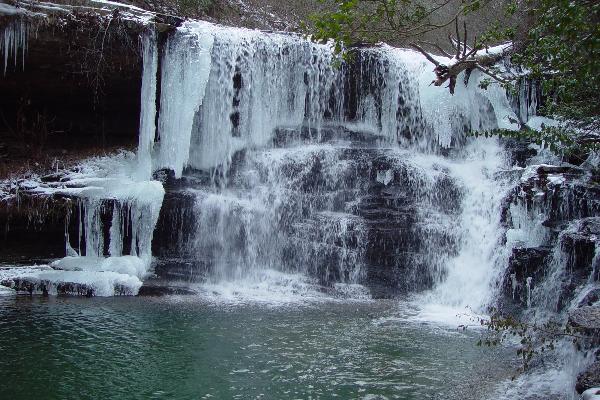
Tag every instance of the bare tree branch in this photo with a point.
(465, 40)
(490, 73)
(426, 54)
(457, 38)
(439, 48)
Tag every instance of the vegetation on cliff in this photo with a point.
(561, 50)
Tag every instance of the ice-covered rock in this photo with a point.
(591, 394)
(127, 265)
(89, 283)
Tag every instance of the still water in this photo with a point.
(191, 348)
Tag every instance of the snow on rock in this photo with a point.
(88, 283)
(479, 109)
(85, 276)
(537, 123)
(135, 208)
(8, 273)
(591, 394)
(128, 265)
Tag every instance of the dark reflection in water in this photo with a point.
(174, 348)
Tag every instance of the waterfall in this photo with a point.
(278, 159)
(185, 72)
(468, 284)
(254, 83)
(148, 109)
(308, 170)
(257, 83)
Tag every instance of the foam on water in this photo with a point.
(276, 288)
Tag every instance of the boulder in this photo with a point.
(524, 263)
(588, 379)
(590, 298)
(153, 289)
(591, 394)
(586, 320)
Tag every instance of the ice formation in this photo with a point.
(13, 40)
(96, 259)
(227, 89)
(185, 71)
(223, 90)
(148, 109)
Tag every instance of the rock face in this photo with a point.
(524, 263)
(591, 298)
(71, 84)
(33, 228)
(563, 204)
(153, 289)
(45, 287)
(586, 320)
(590, 378)
(340, 213)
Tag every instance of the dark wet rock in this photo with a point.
(586, 320)
(519, 151)
(156, 289)
(562, 193)
(591, 298)
(579, 244)
(580, 249)
(524, 263)
(44, 287)
(76, 91)
(560, 169)
(183, 269)
(590, 378)
(365, 216)
(33, 227)
(289, 136)
(529, 261)
(175, 226)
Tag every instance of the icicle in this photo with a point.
(148, 105)
(528, 285)
(258, 83)
(185, 70)
(69, 251)
(94, 234)
(80, 223)
(116, 232)
(13, 40)
(513, 281)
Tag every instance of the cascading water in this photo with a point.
(305, 174)
(283, 161)
(266, 172)
(471, 275)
